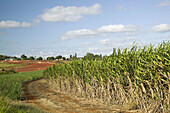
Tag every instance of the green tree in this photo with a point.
(75, 55)
(97, 56)
(18, 58)
(23, 57)
(58, 57)
(31, 58)
(15, 57)
(2, 57)
(39, 58)
(89, 56)
(100, 56)
(50, 58)
(64, 58)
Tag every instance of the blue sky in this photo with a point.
(64, 27)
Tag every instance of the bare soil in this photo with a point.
(39, 94)
(27, 66)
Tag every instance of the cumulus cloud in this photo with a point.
(164, 3)
(100, 50)
(115, 42)
(69, 14)
(102, 31)
(117, 28)
(79, 34)
(13, 24)
(130, 33)
(161, 28)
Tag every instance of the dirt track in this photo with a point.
(40, 95)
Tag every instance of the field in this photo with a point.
(135, 78)
(129, 80)
(11, 85)
(26, 65)
(11, 88)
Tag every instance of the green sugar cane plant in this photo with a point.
(137, 77)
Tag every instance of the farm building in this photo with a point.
(10, 59)
(60, 59)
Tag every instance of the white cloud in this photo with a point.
(104, 42)
(115, 42)
(78, 34)
(13, 24)
(102, 31)
(117, 28)
(69, 14)
(122, 7)
(100, 50)
(164, 3)
(130, 33)
(161, 28)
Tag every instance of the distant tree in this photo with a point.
(31, 58)
(15, 57)
(67, 58)
(64, 58)
(75, 55)
(58, 57)
(39, 58)
(23, 57)
(2, 57)
(50, 58)
(89, 56)
(70, 56)
(97, 56)
(18, 58)
(100, 56)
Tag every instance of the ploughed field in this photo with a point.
(25, 65)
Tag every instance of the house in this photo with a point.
(10, 59)
(60, 59)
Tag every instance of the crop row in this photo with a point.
(139, 75)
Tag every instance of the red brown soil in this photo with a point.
(26, 66)
(41, 95)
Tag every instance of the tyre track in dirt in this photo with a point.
(39, 94)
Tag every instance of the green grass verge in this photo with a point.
(7, 65)
(7, 106)
(11, 88)
(11, 84)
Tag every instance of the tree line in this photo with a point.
(88, 56)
